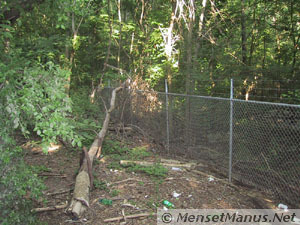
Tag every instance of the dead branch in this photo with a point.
(115, 199)
(134, 216)
(51, 208)
(52, 175)
(123, 181)
(145, 163)
(80, 199)
(140, 129)
(119, 129)
(60, 192)
(129, 205)
(116, 68)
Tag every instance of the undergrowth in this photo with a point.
(116, 151)
(19, 188)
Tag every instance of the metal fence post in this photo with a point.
(230, 132)
(167, 116)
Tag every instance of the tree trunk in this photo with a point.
(120, 34)
(253, 38)
(189, 68)
(80, 200)
(110, 23)
(243, 34)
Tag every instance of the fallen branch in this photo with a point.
(216, 179)
(129, 205)
(52, 175)
(140, 129)
(118, 129)
(80, 199)
(114, 199)
(134, 216)
(60, 192)
(116, 68)
(51, 208)
(124, 198)
(145, 163)
(123, 181)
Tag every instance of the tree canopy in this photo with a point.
(193, 44)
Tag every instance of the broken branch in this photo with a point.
(145, 163)
(129, 217)
(51, 208)
(80, 199)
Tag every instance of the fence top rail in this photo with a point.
(267, 103)
(185, 95)
(220, 98)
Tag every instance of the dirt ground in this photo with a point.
(133, 193)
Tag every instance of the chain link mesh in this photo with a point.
(266, 136)
(266, 144)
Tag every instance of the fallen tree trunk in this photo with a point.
(51, 208)
(146, 163)
(80, 200)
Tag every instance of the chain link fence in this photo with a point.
(265, 137)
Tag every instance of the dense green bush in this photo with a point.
(35, 99)
(19, 186)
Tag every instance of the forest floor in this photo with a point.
(132, 192)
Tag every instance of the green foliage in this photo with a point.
(101, 185)
(153, 204)
(19, 185)
(87, 118)
(35, 100)
(114, 193)
(43, 32)
(139, 153)
(155, 170)
(115, 165)
(41, 168)
(114, 148)
(116, 153)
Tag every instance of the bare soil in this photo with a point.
(133, 193)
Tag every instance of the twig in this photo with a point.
(279, 175)
(118, 198)
(114, 199)
(129, 217)
(52, 175)
(266, 161)
(52, 208)
(116, 68)
(104, 104)
(61, 192)
(129, 205)
(122, 181)
(143, 132)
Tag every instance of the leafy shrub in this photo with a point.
(87, 116)
(139, 153)
(19, 186)
(35, 99)
(114, 148)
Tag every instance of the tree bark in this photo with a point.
(80, 200)
(188, 89)
(243, 34)
(110, 23)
